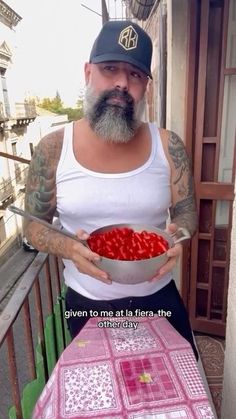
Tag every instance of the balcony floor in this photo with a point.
(212, 350)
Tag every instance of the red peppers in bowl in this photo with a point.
(127, 244)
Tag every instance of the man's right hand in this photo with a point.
(84, 258)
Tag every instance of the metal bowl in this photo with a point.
(137, 271)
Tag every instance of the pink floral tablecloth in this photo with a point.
(123, 372)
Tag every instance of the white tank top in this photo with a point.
(90, 200)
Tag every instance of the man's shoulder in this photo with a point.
(50, 146)
(53, 139)
(170, 138)
(55, 136)
(164, 133)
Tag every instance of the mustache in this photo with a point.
(102, 106)
(117, 94)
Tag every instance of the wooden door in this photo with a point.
(213, 98)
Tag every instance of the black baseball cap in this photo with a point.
(124, 41)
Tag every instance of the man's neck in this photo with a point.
(83, 128)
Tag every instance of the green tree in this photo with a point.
(46, 103)
(73, 113)
(56, 105)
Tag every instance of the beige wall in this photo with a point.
(176, 74)
(229, 390)
(176, 64)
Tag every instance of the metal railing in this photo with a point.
(10, 186)
(34, 300)
(2, 115)
(6, 189)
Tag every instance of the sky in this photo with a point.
(53, 41)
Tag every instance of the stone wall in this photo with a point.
(176, 65)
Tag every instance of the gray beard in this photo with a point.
(114, 124)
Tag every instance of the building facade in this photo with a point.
(22, 125)
(14, 120)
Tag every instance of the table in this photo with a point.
(125, 368)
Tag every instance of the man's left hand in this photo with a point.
(173, 253)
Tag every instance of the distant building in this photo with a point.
(22, 125)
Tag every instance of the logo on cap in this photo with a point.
(128, 38)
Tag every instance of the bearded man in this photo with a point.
(111, 168)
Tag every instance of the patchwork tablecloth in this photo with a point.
(123, 372)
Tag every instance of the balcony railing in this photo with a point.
(25, 110)
(10, 187)
(6, 189)
(2, 115)
(22, 110)
(32, 336)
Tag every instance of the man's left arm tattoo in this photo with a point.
(183, 211)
